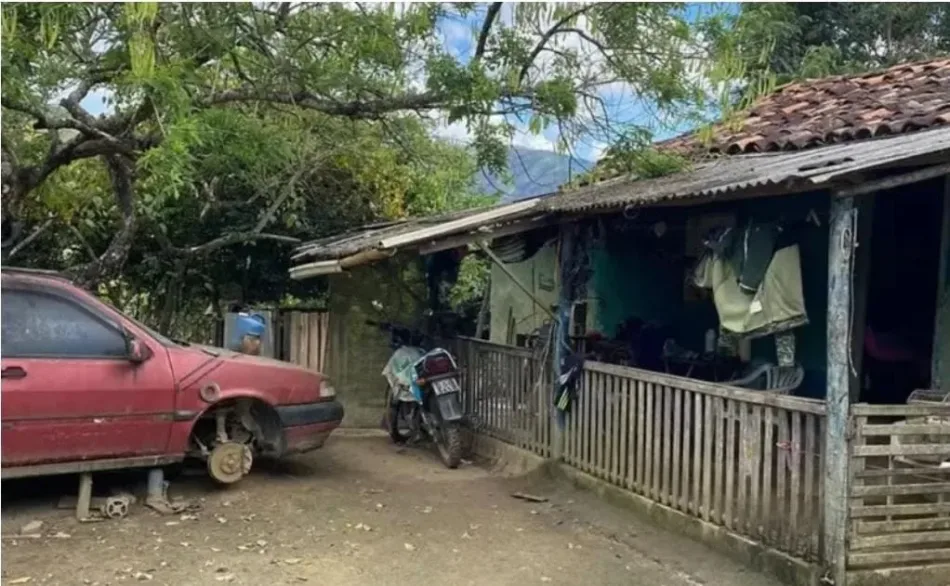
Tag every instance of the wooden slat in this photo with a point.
(810, 493)
(718, 458)
(611, 430)
(754, 470)
(626, 426)
(794, 480)
(781, 476)
(641, 480)
(675, 461)
(599, 425)
(933, 472)
(768, 486)
(654, 434)
(731, 419)
(899, 557)
(901, 526)
(686, 450)
(903, 450)
(697, 456)
(900, 489)
(708, 446)
(907, 429)
(864, 511)
(743, 467)
(718, 390)
(903, 539)
(666, 424)
(900, 410)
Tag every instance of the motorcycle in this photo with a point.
(423, 395)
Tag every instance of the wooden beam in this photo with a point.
(469, 222)
(894, 181)
(840, 263)
(487, 234)
(940, 370)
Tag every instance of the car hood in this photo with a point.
(281, 382)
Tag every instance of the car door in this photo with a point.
(69, 391)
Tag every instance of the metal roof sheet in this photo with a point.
(803, 169)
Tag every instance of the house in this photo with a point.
(772, 351)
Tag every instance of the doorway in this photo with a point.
(902, 291)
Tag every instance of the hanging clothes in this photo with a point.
(777, 304)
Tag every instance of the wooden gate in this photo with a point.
(304, 336)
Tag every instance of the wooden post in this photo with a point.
(840, 261)
(562, 327)
(940, 376)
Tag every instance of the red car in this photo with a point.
(86, 388)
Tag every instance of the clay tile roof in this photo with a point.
(800, 115)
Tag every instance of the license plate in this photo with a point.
(446, 385)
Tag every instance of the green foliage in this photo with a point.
(472, 282)
(245, 125)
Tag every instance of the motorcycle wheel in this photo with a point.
(393, 424)
(450, 444)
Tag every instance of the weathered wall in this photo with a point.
(357, 351)
(509, 302)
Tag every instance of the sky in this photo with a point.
(458, 34)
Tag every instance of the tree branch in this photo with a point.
(30, 238)
(354, 109)
(490, 16)
(241, 238)
(547, 37)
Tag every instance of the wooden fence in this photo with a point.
(900, 486)
(303, 337)
(745, 460)
(507, 393)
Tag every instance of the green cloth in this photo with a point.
(778, 304)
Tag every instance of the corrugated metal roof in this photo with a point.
(803, 169)
(739, 176)
(413, 231)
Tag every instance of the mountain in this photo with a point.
(534, 173)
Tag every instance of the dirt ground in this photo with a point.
(360, 512)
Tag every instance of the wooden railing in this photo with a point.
(900, 485)
(507, 393)
(748, 461)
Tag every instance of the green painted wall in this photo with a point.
(634, 282)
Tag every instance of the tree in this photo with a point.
(212, 107)
(820, 39)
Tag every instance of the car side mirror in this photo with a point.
(136, 351)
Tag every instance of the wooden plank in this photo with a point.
(731, 421)
(676, 460)
(781, 476)
(907, 429)
(718, 390)
(625, 470)
(937, 409)
(810, 494)
(653, 433)
(903, 450)
(768, 486)
(588, 452)
(754, 432)
(642, 438)
(794, 481)
(901, 526)
(611, 429)
(667, 461)
(687, 451)
(900, 489)
(865, 511)
(900, 539)
(708, 444)
(697, 455)
(932, 472)
(899, 557)
(743, 467)
(718, 459)
(599, 426)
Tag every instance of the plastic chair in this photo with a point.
(771, 378)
